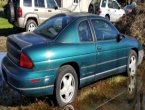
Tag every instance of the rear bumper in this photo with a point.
(140, 56)
(19, 23)
(21, 80)
(34, 92)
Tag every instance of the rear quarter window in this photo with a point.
(103, 3)
(85, 33)
(28, 3)
(39, 3)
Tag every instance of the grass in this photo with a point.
(4, 24)
(88, 97)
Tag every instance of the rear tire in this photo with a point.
(66, 85)
(132, 76)
(31, 25)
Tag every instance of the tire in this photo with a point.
(31, 25)
(65, 90)
(107, 17)
(91, 9)
(132, 76)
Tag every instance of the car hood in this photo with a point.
(27, 39)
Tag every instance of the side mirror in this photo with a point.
(119, 37)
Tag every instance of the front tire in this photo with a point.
(132, 76)
(66, 85)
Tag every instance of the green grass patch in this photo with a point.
(4, 23)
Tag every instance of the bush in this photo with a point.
(2, 3)
(133, 24)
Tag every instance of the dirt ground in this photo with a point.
(3, 44)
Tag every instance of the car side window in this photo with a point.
(110, 4)
(103, 3)
(104, 30)
(28, 3)
(76, 1)
(115, 5)
(51, 4)
(85, 31)
(39, 3)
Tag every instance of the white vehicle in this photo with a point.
(75, 5)
(109, 9)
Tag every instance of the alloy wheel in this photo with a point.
(31, 27)
(132, 75)
(67, 87)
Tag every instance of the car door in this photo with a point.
(87, 53)
(118, 12)
(52, 8)
(110, 54)
(111, 11)
(40, 10)
(114, 10)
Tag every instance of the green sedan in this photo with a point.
(67, 52)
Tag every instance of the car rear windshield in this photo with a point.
(53, 26)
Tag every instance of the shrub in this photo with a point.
(133, 24)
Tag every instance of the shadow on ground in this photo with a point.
(7, 31)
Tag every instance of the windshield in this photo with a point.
(53, 26)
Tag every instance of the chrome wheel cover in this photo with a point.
(67, 87)
(31, 27)
(132, 74)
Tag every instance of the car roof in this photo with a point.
(81, 14)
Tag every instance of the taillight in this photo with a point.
(25, 62)
(20, 12)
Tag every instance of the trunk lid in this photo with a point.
(17, 42)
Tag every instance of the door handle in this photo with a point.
(35, 9)
(49, 11)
